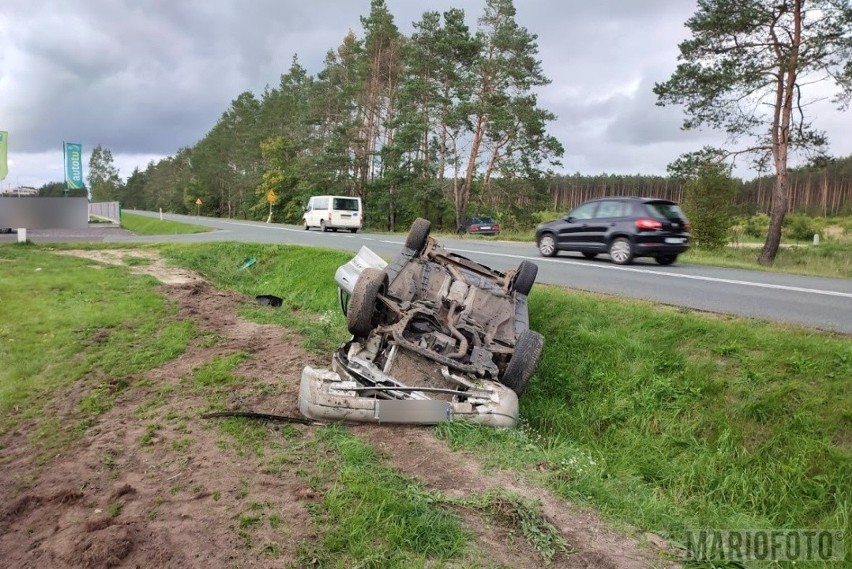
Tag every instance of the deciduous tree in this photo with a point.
(104, 182)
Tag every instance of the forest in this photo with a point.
(442, 124)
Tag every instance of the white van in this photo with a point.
(334, 212)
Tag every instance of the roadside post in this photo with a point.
(270, 197)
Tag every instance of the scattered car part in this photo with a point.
(269, 300)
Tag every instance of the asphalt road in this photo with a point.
(817, 302)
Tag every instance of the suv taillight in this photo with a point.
(648, 224)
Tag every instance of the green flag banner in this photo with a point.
(74, 166)
(4, 151)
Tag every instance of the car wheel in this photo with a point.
(621, 251)
(418, 234)
(589, 254)
(361, 311)
(354, 230)
(547, 245)
(322, 225)
(665, 259)
(523, 362)
(306, 224)
(525, 277)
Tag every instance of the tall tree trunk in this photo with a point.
(463, 195)
(781, 135)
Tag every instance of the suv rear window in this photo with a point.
(665, 210)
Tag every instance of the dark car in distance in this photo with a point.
(481, 225)
(622, 227)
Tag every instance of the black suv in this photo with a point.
(624, 227)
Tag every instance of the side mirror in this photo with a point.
(570, 218)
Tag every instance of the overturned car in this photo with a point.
(435, 337)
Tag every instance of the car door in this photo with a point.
(574, 232)
(607, 217)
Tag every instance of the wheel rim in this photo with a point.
(620, 251)
(547, 246)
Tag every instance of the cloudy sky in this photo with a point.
(144, 78)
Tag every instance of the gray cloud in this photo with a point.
(147, 77)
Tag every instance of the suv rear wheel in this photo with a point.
(665, 259)
(621, 251)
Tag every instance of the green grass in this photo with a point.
(144, 225)
(829, 259)
(371, 516)
(670, 420)
(310, 307)
(65, 321)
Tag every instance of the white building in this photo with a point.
(19, 191)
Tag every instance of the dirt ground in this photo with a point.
(113, 502)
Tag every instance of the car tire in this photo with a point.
(354, 230)
(524, 360)
(361, 311)
(547, 245)
(621, 251)
(589, 254)
(322, 225)
(418, 234)
(306, 224)
(525, 277)
(665, 259)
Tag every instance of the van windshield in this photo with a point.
(346, 204)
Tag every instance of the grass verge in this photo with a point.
(144, 225)
(670, 420)
(289, 272)
(65, 322)
(826, 260)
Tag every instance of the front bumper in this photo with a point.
(325, 395)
